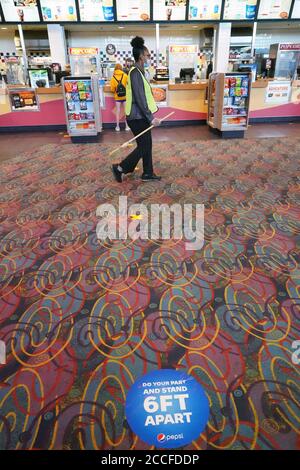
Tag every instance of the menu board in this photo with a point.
(274, 9)
(240, 10)
(205, 10)
(58, 10)
(133, 10)
(167, 10)
(296, 10)
(20, 11)
(96, 10)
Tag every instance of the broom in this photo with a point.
(137, 136)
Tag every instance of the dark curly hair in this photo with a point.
(138, 47)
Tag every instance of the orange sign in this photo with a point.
(83, 50)
(184, 49)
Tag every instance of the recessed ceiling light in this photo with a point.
(3, 28)
(121, 27)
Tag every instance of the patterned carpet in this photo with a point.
(82, 319)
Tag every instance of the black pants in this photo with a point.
(143, 149)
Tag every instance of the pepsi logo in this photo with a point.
(161, 437)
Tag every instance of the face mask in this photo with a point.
(147, 63)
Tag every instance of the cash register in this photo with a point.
(186, 75)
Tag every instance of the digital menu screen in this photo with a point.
(96, 10)
(296, 10)
(205, 10)
(20, 11)
(133, 10)
(274, 9)
(167, 10)
(240, 10)
(58, 10)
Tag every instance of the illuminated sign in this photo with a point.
(133, 10)
(274, 9)
(20, 11)
(240, 9)
(83, 51)
(96, 10)
(289, 47)
(296, 10)
(166, 10)
(184, 49)
(205, 10)
(58, 10)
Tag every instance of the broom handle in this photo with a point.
(141, 133)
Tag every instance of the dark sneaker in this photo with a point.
(151, 177)
(118, 175)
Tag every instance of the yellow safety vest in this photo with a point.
(148, 92)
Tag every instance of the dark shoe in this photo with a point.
(152, 177)
(118, 175)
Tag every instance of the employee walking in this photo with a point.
(140, 107)
(118, 87)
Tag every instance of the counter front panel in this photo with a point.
(188, 101)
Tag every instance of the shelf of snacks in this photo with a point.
(229, 100)
(81, 105)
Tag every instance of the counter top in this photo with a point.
(188, 86)
(56, 90)
(260, 84)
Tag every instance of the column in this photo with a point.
(157, 43)
(222, 47)
(58, 45)
(253, 39)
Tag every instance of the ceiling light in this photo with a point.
(3, 28)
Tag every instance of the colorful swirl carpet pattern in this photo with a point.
(83, 319)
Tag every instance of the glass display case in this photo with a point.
(228, 101)
(286, 59)
(84, 60)
(14, 71)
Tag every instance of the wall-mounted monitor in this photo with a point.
(274, 9)
(58, 10)
(133, 10)
(296, 10)
(20, 11)
(96, 10)
(167, 10)
(235, 10)
(206, 10)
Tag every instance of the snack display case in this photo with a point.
(228, 101)
(82, 106)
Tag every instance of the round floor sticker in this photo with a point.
(167, 408)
